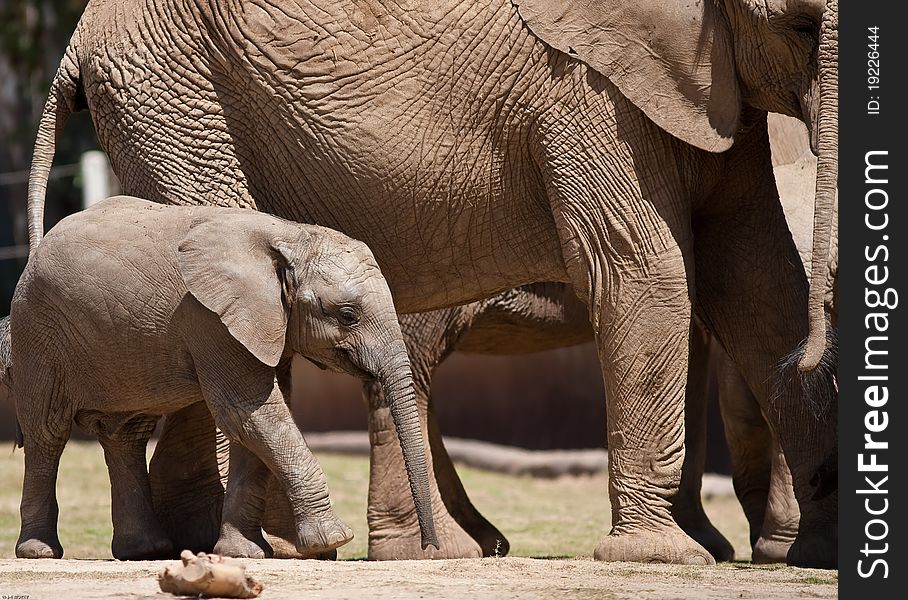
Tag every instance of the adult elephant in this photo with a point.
(480, 146)
(549, 315)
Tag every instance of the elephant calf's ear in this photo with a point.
(233, 271)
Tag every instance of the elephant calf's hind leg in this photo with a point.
(39, 509)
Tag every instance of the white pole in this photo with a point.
(96, 176)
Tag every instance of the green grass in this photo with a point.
(542, 518)
(815, 581)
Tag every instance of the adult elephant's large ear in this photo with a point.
(672, 58)
(234, 266)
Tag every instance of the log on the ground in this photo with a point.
(209, 576)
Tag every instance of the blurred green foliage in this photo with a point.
(33, 37)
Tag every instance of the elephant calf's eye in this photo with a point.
(347, 315)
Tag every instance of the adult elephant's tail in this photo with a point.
(62, 100)
(827, 183)
(5, 362)
(4, 350)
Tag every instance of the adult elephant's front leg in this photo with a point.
(752, 293)
(625, 242)
(687, 508)
(393, 529)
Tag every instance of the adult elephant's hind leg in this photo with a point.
(761, 476)
(244, 506)
(624, 243)
(782, 520)
(749, 442)
(185, 473)
(491, 541)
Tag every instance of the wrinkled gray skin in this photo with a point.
(478, 146)
(761, 476)
(131, 310)
(545, 316)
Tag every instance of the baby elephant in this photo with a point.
(131, 310)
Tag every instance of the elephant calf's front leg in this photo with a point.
(249, 408)
(272, 439)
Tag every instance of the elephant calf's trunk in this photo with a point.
(397, 383)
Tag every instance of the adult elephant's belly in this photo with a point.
(447, 225)
(403, 132)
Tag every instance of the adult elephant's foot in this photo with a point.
(394, 532)
(769, 550)
(689, 515)
(242, 544)
(33, 547)
(664, 545)
(321, 534)
(710, 538)
(815, 547)
(491, 541)
(284, 549)
(148, 544)
(396, 538)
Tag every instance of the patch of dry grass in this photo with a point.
(541, 518)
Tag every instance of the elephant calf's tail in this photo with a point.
(5, 362)
(63, 99)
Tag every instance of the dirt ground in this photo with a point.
(557, 521)
(486, 578)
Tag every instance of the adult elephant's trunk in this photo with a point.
(396, 380)
(827, 183)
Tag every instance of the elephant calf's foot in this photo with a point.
(320, 535)
(665, 545)
(36, 548)
(391, 540)
(815, 547)
(237, 544)
(141, 545)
